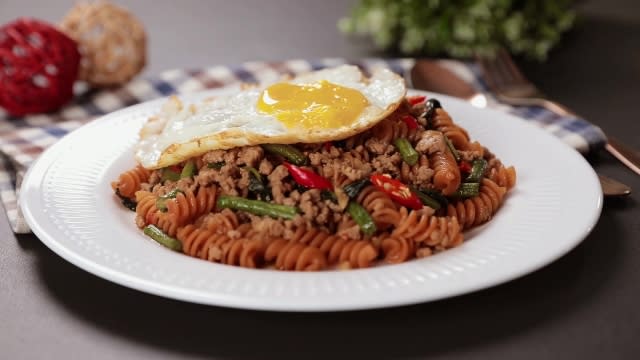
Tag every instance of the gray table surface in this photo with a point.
(581, 306)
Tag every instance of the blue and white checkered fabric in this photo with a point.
(23, 139)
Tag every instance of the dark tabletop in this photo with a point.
(581, 306)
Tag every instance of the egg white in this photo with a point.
(180, 132)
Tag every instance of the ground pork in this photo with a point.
(470, 155)
(430, 142)
(342, 162)
(277, 184)
(387, 164)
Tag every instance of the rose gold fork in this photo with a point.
(511, 87)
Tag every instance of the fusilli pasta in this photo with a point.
(377, 201)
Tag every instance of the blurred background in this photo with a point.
(593, 67)
(563, 46)
(195, 33)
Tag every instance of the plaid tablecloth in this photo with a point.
(23, 139)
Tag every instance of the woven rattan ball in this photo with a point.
(38, 66)
(111, 40)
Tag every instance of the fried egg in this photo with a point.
(324, 105)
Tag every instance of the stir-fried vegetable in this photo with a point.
(329, 195)
(411, 122)
(257, 186)
(288, 152)
(398, 191)
(353, 189)
(408, 153)
(161, 201)
(163, 239)
(415, 100)
(426, 199)
(257, 207)
(177, 172)
(436, 195)
(464, 166)
(188, 170)
(360, 215)
(216, 165)
(467, 190)
(453, 150)
(126, 202)
(307, 178)
(477, 171)
(171, 173)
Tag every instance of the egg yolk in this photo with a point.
(319, 105)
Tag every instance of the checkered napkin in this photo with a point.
(23, 139)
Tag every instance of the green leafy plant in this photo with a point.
(462, 28)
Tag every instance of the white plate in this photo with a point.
(67, 200)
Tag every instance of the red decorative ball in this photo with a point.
(38, 66)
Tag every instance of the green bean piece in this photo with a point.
(353, 189)
(408, 153)
(436, 195)
(188, 170)
(163, 239)
(328, 195)
(257, 207)
(452, 148)
(467, 190)
(256, 186)
(426, 199)
(216, 165)
(360, 215)
(288, 152)
(478, 167)
(254, 172)
(161, 201)
(169, 174)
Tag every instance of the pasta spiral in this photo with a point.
(338, 249)
(289, 255)
(220, 247)
(356, 253)
(222, 222)
(129, 181)
(446, 174)
(146, 209)
(479, 209)
(426, 229)
(503, 176)
(188, 205)
(397, 249)
(393, 128)
(459, 137)
(147, 213)
(380, 206)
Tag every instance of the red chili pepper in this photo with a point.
(176, 168)
(465, 166)
(307, 178)
(398, 191)
(415, 100)
(411, 122)
(327, 145)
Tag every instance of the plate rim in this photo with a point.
(155, 288)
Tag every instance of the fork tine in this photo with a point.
(510, 66)
(501, 64)
(491, 74)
